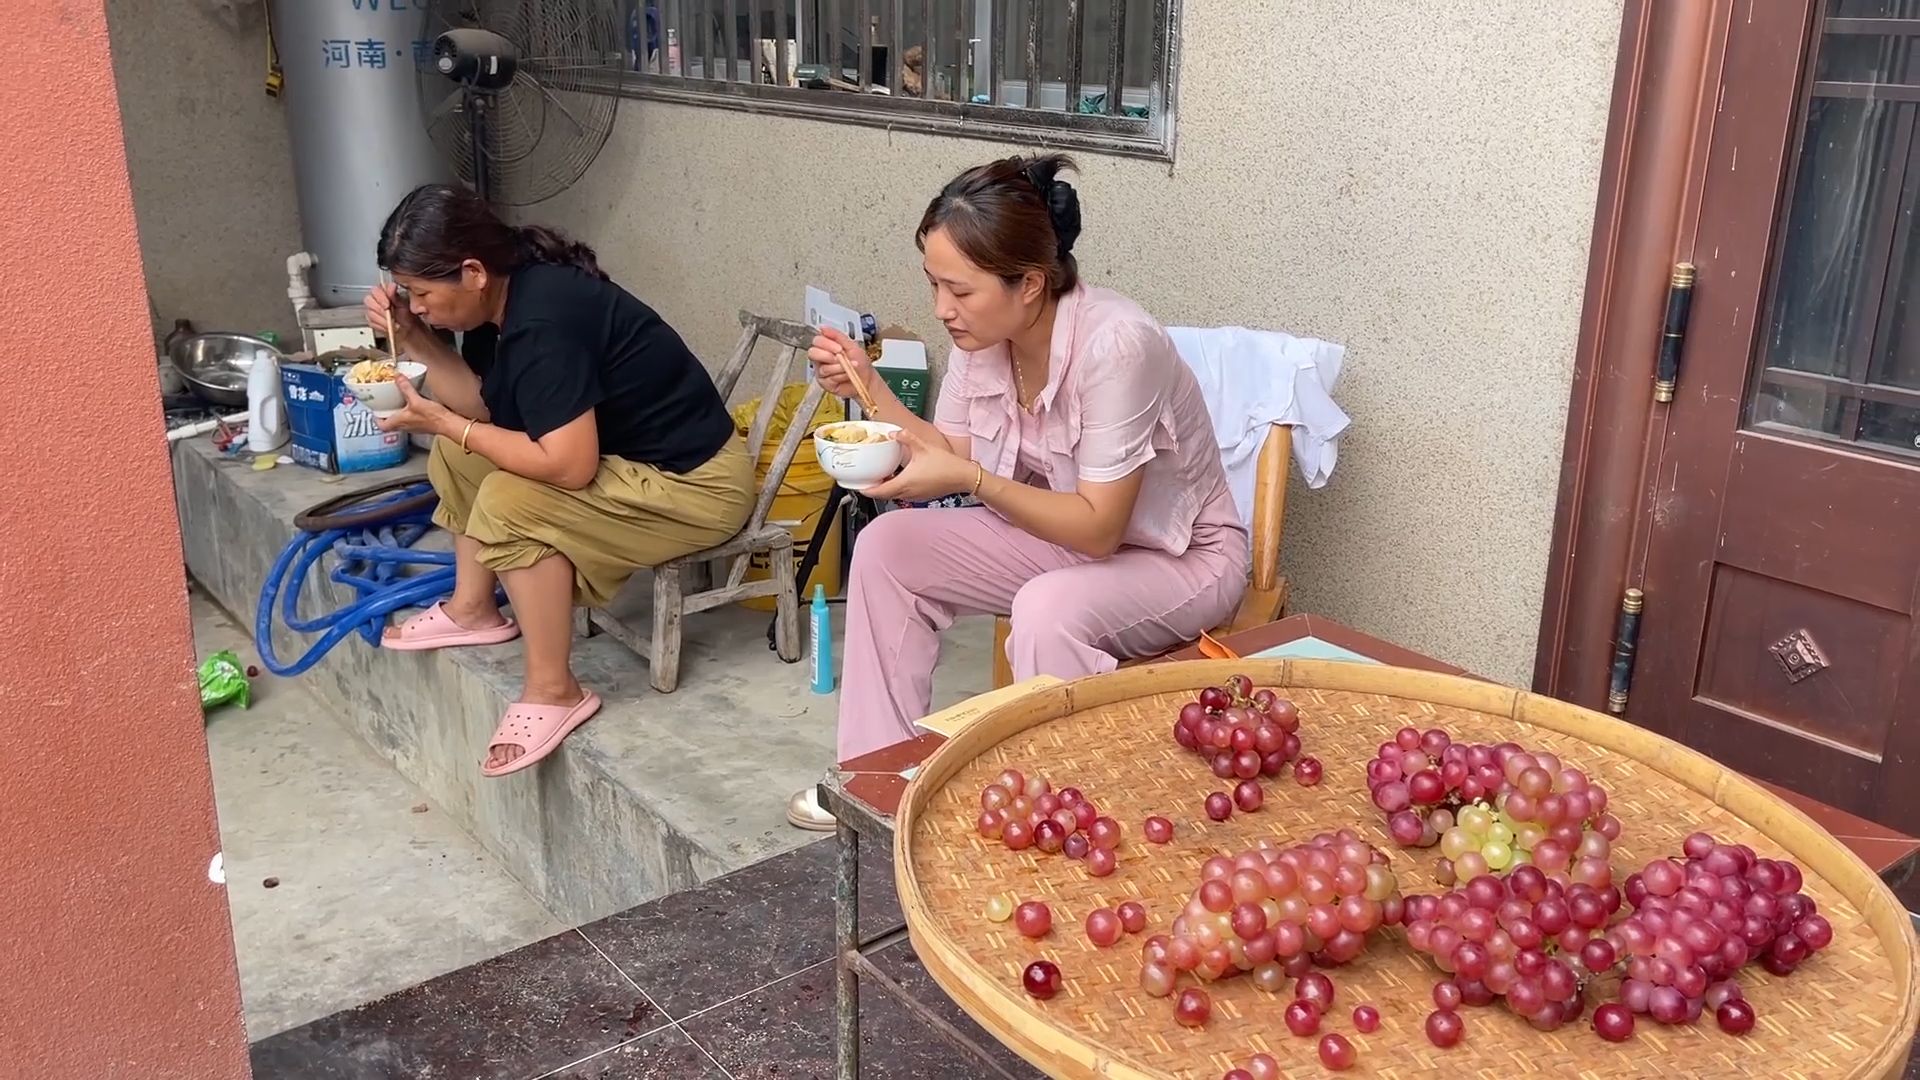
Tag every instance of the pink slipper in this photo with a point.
(435, 629)
(537, 730)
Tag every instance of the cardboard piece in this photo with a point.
(902, 365)
(331, 430)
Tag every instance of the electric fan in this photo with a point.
(519, 95)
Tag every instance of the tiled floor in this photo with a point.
(732, 979)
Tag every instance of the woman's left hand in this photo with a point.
(420, 414)
(932, 471)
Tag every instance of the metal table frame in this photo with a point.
(851, 954)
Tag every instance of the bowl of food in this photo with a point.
(857, 453)
(216, 365)
(373, 382)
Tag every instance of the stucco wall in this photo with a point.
(1415, 180)
(115, 947)
(212, 175)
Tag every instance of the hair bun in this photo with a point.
(1063, 206)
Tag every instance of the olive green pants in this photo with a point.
(631, 515)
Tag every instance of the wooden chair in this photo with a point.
(1266, 597)
(717, 576)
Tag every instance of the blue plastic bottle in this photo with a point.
(822, 632)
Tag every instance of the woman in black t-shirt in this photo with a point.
(578, 439)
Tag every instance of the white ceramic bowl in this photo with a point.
(858, 466)
(384, 398)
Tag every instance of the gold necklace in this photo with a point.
(1020, 395)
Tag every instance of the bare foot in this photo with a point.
(500, 754)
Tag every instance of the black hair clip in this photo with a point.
(1032, 172)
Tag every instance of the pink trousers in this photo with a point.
(915, 571)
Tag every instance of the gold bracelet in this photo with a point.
(466, 432)
(979, 477)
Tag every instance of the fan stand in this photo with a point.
(476, 109)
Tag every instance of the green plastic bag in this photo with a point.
(223, 681)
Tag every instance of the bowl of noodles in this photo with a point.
(857, 453)
(372, 383)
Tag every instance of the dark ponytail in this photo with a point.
(438, 226)
(543, 245)
(1011, 217)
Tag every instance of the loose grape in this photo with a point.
(1158, 830)
(1101, 862)
(1192, 1007)
(1735, 1016)
(1219, 807)
(1105, 833)
(1103, 927)
(1263, 1067)
(1076, 846)
(1315, 988)
(1307, 771)
(999, 907)
(1445, 1028)
(1133, 916)
(1248, 796)
(1366, 1019)
(1033, 919)
(1301, 1018)
(1042, 979)
(1613, 1022)
(1336, 1053)
(1017, 836)
(1157, 979)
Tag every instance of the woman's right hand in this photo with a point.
(382, 303)
(837, 361)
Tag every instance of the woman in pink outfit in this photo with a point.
(1106, 529)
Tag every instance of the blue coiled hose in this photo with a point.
(371, 553)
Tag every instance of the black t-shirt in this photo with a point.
(571, 342)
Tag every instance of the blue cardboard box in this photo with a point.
(331, 431)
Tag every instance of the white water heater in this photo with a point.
(353, 118)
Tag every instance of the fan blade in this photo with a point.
(447, 105)
(558, 104)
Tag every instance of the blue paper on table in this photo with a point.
(1312, 648)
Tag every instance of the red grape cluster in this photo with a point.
(1242, 732)
(1277, 911)
(1493, 808)
(1024, 811)
(1526, 938)
(1698, 920)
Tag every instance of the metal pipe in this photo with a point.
(1076, 45)
(1033, 54)
(866, 46)
(927, 61)
(997, 53)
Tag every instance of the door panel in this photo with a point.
(1802, 660)
(1784, 548)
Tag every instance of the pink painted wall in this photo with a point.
(116, 954)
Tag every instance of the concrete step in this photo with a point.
(656, 794)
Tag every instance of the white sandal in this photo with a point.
(805, 812)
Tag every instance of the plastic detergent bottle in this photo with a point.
(821, 624)
(266, 408)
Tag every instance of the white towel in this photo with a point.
(1255, 378)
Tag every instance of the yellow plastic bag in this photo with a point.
(831, 410)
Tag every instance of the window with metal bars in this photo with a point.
(1097, 74)
(1840, 357)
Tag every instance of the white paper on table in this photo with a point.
(909, 355)
(822, 311)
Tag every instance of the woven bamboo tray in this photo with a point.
(1849, 1012)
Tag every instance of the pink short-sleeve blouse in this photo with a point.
(1118, 398)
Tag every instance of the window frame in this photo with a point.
(1151, 138)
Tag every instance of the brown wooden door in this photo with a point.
(1783, 564)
